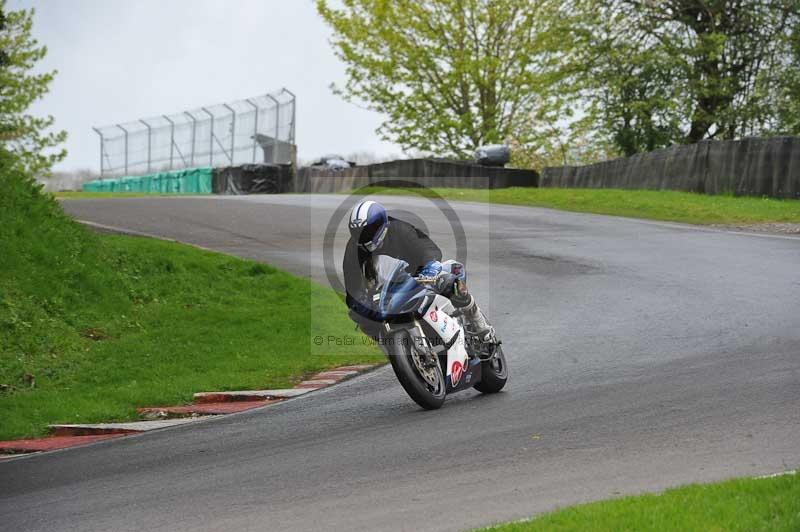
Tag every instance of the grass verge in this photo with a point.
(751, 504)
(664, 205)
(93, 326)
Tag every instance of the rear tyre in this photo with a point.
(494, 373)
(424, 383)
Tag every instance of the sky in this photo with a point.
(119, 61)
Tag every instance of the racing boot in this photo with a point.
(477, 325)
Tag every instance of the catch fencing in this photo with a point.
(258, 129)
(747, 167)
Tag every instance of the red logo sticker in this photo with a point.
(455, 372)
(434, 317)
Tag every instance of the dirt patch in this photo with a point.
(93, 334)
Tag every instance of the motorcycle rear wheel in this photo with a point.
(428, 393)
(494, 373)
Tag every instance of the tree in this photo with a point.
(25, 136)
(449, 74)
(782, 100)
(679, 71)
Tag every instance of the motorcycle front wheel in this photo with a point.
(421, 378)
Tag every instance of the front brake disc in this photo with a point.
(426, 370)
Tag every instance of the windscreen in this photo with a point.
(386, 268)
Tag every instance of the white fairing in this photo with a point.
(447, 327)
(437, 317)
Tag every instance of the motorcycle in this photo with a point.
(425, 337)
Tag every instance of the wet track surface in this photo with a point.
(642, 355)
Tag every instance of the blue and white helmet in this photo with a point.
(369, 224)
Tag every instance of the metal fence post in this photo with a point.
(294, 112)
(277, 128)
(210, 138)
(102, 149)
(171, 139)
(149, 144)
(255, 127)
(126, 146)
(194, 132)
(233, 129)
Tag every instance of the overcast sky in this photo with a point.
(120, 60)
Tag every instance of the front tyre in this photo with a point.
(420, 377)
(494, 373)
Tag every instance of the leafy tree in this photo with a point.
(784, 106)
(25, 136)
(450, 74)
(659, 72)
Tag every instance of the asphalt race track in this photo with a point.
(643, 355)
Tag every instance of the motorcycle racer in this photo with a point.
(374, 232)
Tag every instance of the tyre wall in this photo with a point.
(253, 179)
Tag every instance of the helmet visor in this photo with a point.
(368, 232)
(371, 236)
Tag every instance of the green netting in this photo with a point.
(189, 181)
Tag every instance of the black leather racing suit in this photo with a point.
(403, 241)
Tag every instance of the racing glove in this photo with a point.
(431, 269)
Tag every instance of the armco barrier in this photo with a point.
(188, 181)
(747, 167)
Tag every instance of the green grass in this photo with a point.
(653, 204)
(770, 504)
(93, 326)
